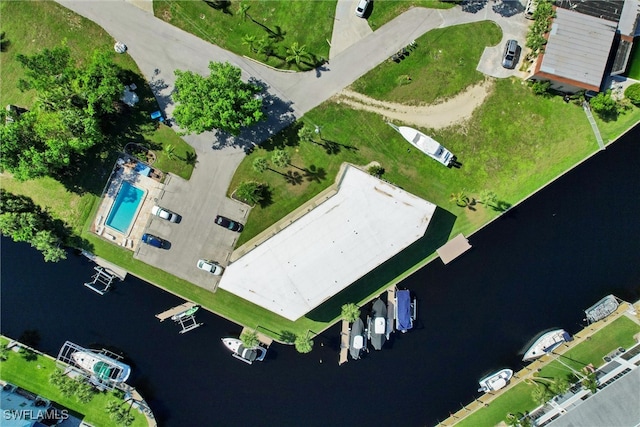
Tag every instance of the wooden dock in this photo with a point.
(344, 343)
(264, 340)
(117, 271)
(175, 310)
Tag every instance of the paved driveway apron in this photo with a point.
(159, 48)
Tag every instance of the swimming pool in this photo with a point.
(124, 207)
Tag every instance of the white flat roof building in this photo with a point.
(364, 224)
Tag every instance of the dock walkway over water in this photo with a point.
(344, 343)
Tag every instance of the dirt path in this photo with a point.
(455, 110)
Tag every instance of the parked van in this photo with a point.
(530, 9)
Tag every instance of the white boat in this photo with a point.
(602, 309)
(426, 144)
(102, 367)
(546, 344)
(247, 355)
(495, 381)
(357, 339)
(377, 325)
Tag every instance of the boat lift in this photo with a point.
(183, 314)
(102, 280)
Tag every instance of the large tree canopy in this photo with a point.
(65, 120)
(24, 221)
(220, 101)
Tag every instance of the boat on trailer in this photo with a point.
(406, 310)
(546, 344)
(426, 144)
(357, 339)
(602, 309)
(247, 355)
(495, 381)
(102, 367)
(377, 329)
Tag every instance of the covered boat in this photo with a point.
(405, 310)
(247, 355)
(426, 144)
(377, 324)
(357, 340)
(602, 309)
(102, 367)
(546, 344)
(495, 381)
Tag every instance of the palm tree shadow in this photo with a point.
(313, 173)
(293, 177)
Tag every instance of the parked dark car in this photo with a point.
(229, 223)
(154, 241)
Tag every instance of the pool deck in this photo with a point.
(125, 171)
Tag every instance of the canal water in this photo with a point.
(535, 268)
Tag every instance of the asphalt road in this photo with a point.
(159, 48)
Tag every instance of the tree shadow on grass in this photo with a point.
(437, 234)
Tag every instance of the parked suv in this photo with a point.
(510, 54)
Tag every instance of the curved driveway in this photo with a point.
(159, 48)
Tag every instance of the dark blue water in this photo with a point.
(535, 268)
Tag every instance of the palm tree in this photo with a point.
(260, 164)
(249, 40)
(350, 312)
(264, 47)
(303, 343)
(306, 134)
(460, 198)
(250, 191)
(170, 151)
(243, 11)
(280, 158)
(250, 339)
(488, 198)
(296, 53)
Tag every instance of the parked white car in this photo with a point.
(361, 8)
(210, 267)
(165, 214)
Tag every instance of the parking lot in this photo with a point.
(197, 201)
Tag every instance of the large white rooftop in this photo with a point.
(364, 224)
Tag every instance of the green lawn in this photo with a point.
(442, 65)
(634, 61)
(383, 11)
(518, 399)
(34, 375)
(283, 23)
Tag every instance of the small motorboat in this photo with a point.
(184, 314)
(426, 144)
(247, 355)
(546, 344)
(495, 381)
(357, 339)
(102, 367)
(377, 324)
(406, 310)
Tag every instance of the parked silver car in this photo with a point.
(165, 214)
(509, 58)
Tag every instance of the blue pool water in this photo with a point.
(124, 208)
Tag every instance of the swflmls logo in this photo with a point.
(30, 414)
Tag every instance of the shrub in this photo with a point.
(604, 105)
(541, 87)
(376, 170)
(632, 93)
